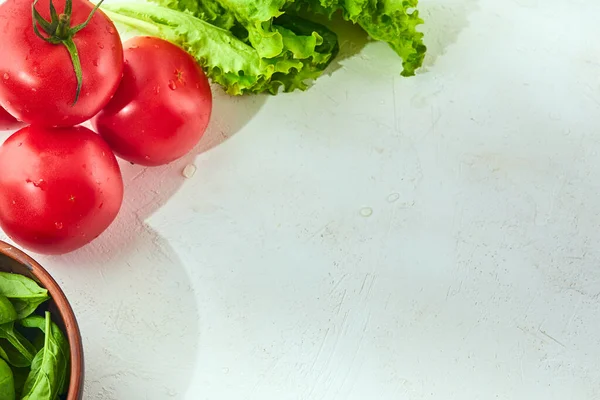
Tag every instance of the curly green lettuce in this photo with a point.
(229, 61)
(255, 46)
(391, 21)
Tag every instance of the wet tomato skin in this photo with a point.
(162, 107)
(60, 188)
(7, 121)
(37, 79)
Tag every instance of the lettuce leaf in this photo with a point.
(209, 11)
(228, 60)
(254, 46)
(391, 21)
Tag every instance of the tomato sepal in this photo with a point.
(59, 31)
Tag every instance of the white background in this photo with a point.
(475, 276)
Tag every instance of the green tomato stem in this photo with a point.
(59, 31)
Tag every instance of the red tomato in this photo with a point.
(38, 83)
(59, 188)
(162, 107)
(7, 121)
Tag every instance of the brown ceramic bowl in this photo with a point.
(14, 260)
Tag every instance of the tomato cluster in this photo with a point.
(148, 100)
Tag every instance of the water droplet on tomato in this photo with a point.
(101, 205)
(59, 225)
(156, 46)
(100, 45)
(6, 76)
(157, 89)
(133, 46)
(172, 85)
(95, 62)
(33, 89)
(110, 30)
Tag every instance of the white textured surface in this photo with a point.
(374, 238)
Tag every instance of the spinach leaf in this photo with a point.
(7, 382)
(20, 375)
(7, 311)
(19, 286)
(12, 355)
(24, 293)
(49, 369)
(26, 307)
(15, 342)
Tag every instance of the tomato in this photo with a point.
(38, 83)
(162, 107)
(7, 121)
(59, 188)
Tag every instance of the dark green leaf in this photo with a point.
(20, 375)
(18, 342)
(49, 369)
(7, 311)
(12, 355)
(19, 286)
(26, 307)
(24, 293)
(7, 382)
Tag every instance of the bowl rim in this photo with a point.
(64, 308)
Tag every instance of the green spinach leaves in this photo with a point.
(34, 352)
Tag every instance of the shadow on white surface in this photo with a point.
(444, 22)
(139, 319)
(352, 39)
(147, 189)
(130, 291)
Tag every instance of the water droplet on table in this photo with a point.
(189, 171)
(366, 211)
(393, 197)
